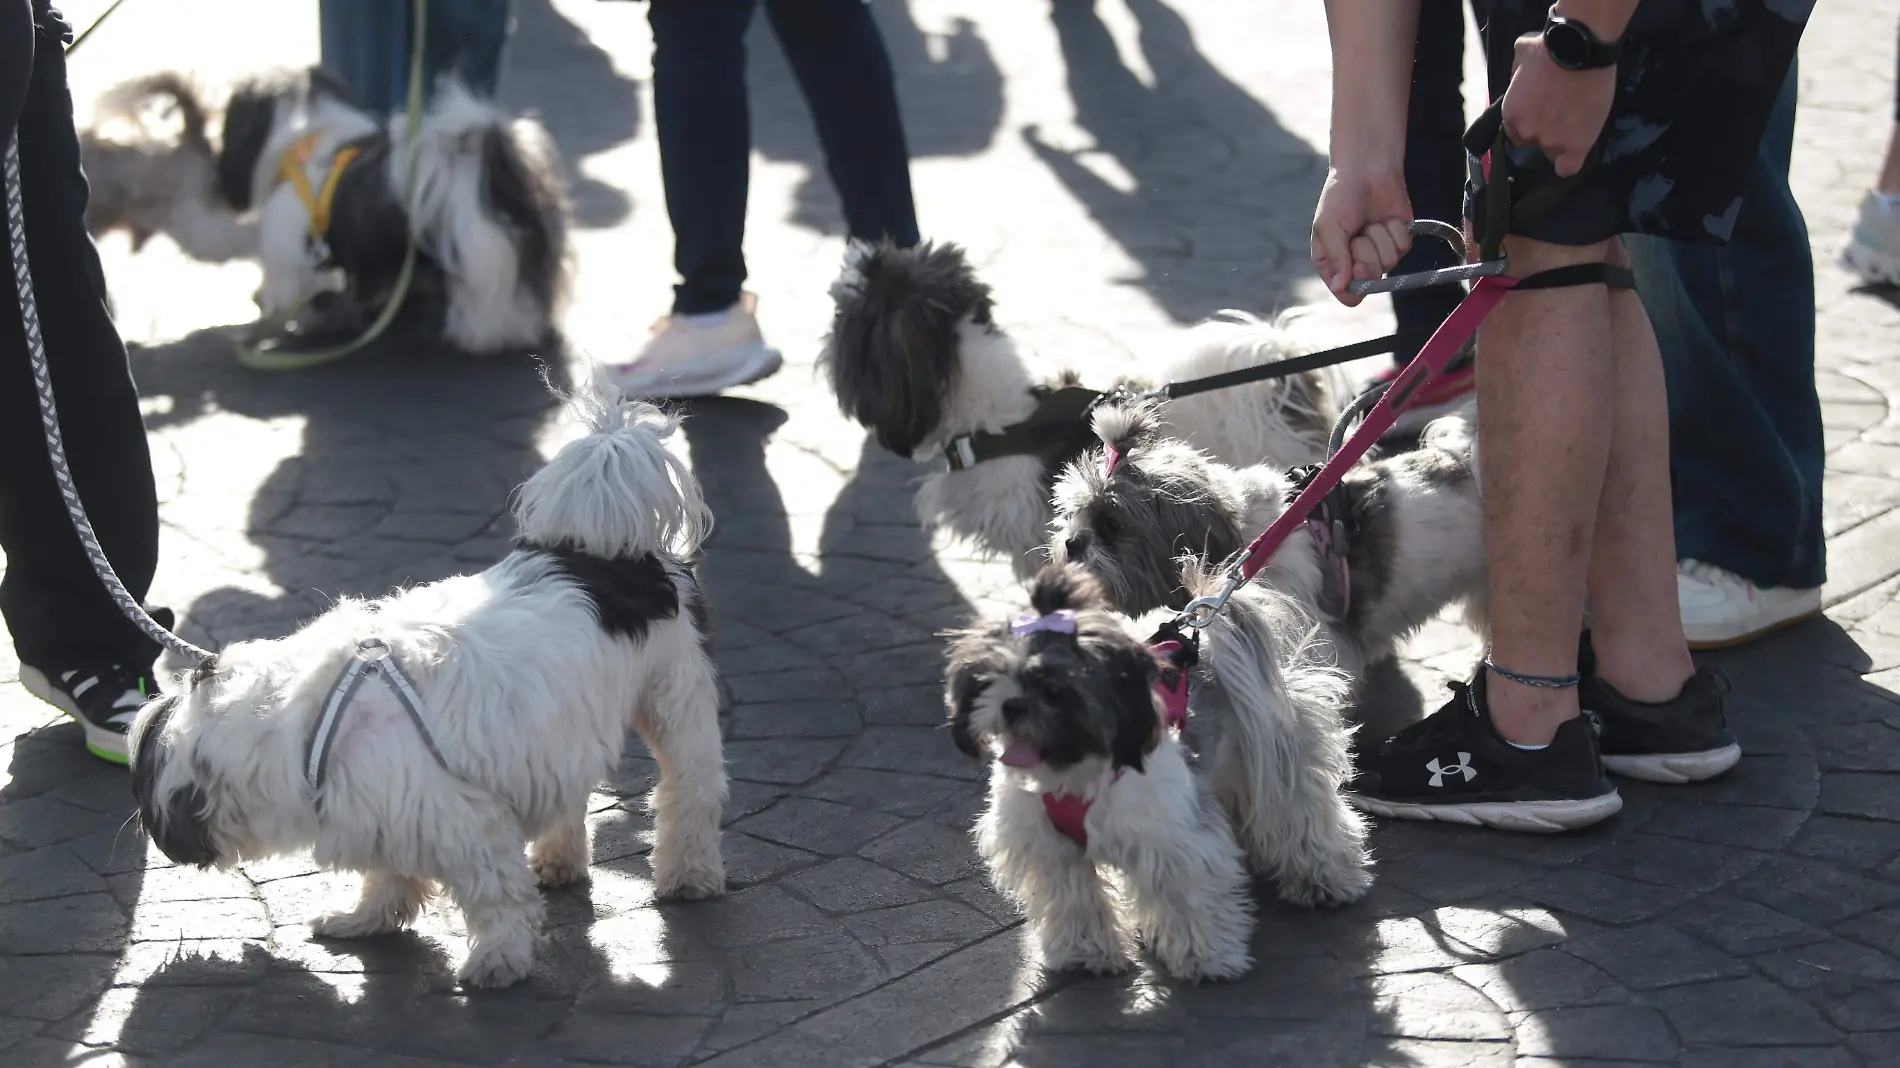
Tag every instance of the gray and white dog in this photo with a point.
(916, 355)
(1413, 529)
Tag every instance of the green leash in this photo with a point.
(258, 358)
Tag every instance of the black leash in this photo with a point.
(96, 23)
(1312, 361)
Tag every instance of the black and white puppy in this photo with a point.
(916, 355)
(488, 209)
(522, 681)
(1098, 825)
(1414, 529)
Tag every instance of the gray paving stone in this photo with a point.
(1446, 876)
(924, 921)
(1742, 927)
(1673, 862)
(633, 1040)
(1432, 1005)
(1224, 1042)
(83, 923)
(1847, 842)
(926, 850)
(169, 921)
(1744, 827)
(1863, 796)
(923, 750)
(1654, 955)
(1742, 1012)
(156, 1019)
(1604, 898)
(1543, 979)
(853, 885)
(45, 873)
(817, 971)
(1813, 891)
(52, 988)
(1607, 1033)
(817, 826)
(795, 719)
(782, 761)
(1803, 1057)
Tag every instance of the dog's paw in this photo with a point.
(357, 923)
(551, 872)
(1205, 968)
(690, 885)
(1341, 886)
(497, 965)
(1094, 963)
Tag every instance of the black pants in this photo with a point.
(1434, 165)
(699, 101)
(58, 614)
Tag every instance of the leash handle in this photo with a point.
(1464, 272)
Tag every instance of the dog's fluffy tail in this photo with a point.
(127, 100)
(491, 207)
(618, 491)
(1285, 755)
(1280, 421)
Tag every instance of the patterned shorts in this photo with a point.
(1693, 94)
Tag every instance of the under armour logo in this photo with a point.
(1439, 771)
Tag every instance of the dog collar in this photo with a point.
(293, 167)
(1056, 432)
(372, 657)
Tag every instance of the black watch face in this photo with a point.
(1567, 45)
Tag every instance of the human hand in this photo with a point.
(1560, 112)
(1359, 228)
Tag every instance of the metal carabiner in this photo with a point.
(1202, 610)
(1450, 235)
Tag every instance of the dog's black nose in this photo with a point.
(1014, 709)
(1078, 546)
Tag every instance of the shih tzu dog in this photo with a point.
(420, 739)
(1099, 827)
(324, 187)
(916, 355)
(148, 181)
(1399, 541)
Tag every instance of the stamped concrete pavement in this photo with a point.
(1118, 170)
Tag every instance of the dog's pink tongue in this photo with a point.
(1021, 755)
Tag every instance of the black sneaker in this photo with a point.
(1681, 740)
(1453, 766)
(104, 700)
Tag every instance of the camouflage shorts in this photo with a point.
(1694, 90)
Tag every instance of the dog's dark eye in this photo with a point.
(1107, 528)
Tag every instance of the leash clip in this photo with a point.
(1464, 272)
(1202, 610)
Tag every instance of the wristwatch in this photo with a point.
(1573, 46)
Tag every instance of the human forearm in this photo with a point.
(1372, 76)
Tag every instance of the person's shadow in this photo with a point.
(556, 72)
(1197, 157)
(952, 103)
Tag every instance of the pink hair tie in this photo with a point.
(1110, 458)
(1061, 621)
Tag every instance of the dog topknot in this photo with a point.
(1060, 586)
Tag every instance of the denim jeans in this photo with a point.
(1434, 166)
(367, 43)
(699, 104)
(1735, 323)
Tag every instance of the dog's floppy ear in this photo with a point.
(963, 684)
(1131, 672)
(248, 119)
(893, 352)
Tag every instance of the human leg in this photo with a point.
(365, 43)
(838, 56)
(65, 628)
(1873, 247)
(466, 38)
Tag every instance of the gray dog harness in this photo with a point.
(373, 657)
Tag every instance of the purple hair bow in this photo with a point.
(1061, 621)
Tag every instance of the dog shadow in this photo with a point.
(949, 90)
(552, 68)
(1197, 154)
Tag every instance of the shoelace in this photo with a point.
(131, 687)
(1435, 727)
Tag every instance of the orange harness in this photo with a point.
(292, 167)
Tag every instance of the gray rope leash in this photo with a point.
(49, 420)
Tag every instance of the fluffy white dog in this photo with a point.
(484, 710)
(1098, 825)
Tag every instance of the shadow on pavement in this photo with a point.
(951, 105)
(1196, 154)
(552, 68)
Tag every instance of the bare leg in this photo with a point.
(1545, 388)
(1636, 621)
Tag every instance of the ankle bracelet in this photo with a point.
(1542, 682)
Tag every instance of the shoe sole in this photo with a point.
(1730, 641)
(766, 368)
(1674, 768)
(109, 746)
(1523, 817)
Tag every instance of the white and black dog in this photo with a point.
(915, 354)
(313, 185)
(1097, 824)
(512, 696)
(1402, 539)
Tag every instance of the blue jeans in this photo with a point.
(700, 108)
(366, 43)
(1735, 323)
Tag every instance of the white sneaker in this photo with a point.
(1873, 248)
(1721, 608)
(686, 359)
